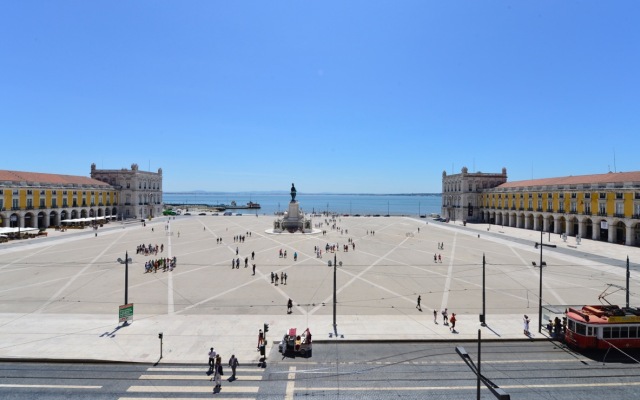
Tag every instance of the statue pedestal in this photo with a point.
(293, 220)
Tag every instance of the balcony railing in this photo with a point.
(29, 207)
(602, 214)
(549, 209)
(15, 208)
(618, 215)
(587, 213)
(635, 216)
(539, 209)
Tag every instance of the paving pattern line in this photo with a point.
(77, 275)
(329, 299)
(191, 389)
(18, 386)
(171, 309)
(195, 369)
(470, 387)
(447, 282)
(291, 384)
(239, 378)
(537, 275)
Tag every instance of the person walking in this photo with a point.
(217, 376)
(254, 269)
(418, 305)
(212, 359)
(289, 306)
(435, 317)
(260, 338)
(253, 254)
(525, 322)
(271, 277)
(233, 363)
(452, 328)
(445, 317)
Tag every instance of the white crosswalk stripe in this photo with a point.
(200, 383)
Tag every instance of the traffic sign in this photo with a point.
(125, 313)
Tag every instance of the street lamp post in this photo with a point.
(540, 290)
(335, 299)
(126, 262)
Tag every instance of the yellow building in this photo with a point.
(39, 200)
(600, 207)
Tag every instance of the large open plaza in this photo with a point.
(60, 294)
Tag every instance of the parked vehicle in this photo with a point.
(293, 345)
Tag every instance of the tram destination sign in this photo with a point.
(125, 313)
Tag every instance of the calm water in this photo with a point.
(340, 203)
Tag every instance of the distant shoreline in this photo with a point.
(280, 193)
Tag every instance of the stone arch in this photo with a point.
(42, 219)
(14, 220)
(601, 230)
(83, 213)
(620, 232)
(100, 212)
(528, 223)
(53, 218)
(30, 220)
(572, 226)
(92, 213)
(74, 214)
(634, 240)
(550, 223)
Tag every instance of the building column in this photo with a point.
(613, 233)
(45, 220)
(556, 225)
(21, 220)
(631, 240)
(596, 230)
(581, 227)
(545, 224)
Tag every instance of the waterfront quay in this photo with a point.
(60, 295)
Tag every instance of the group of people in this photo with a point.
(149, 249)
(446, 320)
(215, 368)
(161, 263)
(274, 277)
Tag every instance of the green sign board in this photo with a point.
(125, 313)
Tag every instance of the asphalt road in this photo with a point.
(535, 370)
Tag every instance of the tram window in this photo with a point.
(581, 329)
(606, 333)
(633, 331)
(590, 331)
(572, 326)
(624, 332)
(615, 332)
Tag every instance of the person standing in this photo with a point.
(445, 317)
(452, 328)
(271, 277)
(253, 254)
(289, 306)
(435, 317)
(254, 269)
(233, 363)
(418, 305)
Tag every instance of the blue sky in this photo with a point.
(357, 96)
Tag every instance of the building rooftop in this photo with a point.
(611, 177)
(38, 178)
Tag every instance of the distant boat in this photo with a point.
(234, 206)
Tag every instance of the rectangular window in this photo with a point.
(29, 203)
(1, 204)
(15, 203)
(602, 195)
(41, 202)
(574, 206)
(574, 195)
(581, 329)
(29, 192)
(619, 196)
(54, 202)
(619, 208)
(606, 333)
(602, 208)
(587, 195)
(624, 332)
(571, 325)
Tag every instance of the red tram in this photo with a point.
(598, 327)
